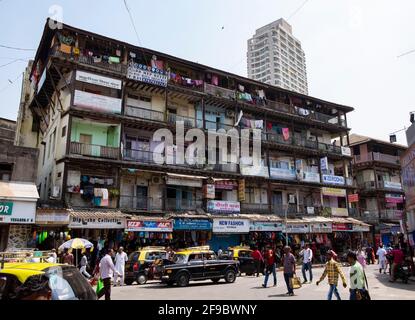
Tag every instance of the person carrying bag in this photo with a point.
(358, 281)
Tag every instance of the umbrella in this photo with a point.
(76, 243)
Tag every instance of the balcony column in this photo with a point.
(166, 99)
(298, 199)
(203, 114)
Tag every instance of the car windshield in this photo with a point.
(180, 258)
(67, 283)
(155, 255)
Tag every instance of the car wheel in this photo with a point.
(129, 281)
(230, 276)
(141, 279)
(183, 280)
(215, 280)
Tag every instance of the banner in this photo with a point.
(225, 207)
(329, 179)
(209, 191)
(394, 198)
(346, 151)
(192, 224)
(324, 164)
(333, 192)
(149, 226)
(266, 226)
(96, 223)
(146, 74)
(241, 190)
(226, 185)
(296, 228)
(353, 198)
(97, 103)
(321, 228)
(342, 226)
(231, 225)
(98, 80)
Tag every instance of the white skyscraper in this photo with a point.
(275, 57)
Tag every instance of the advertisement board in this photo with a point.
(224, 207)
(149, 226)
(231, 226)
(97, 103)
(258, 226)
(98, 80)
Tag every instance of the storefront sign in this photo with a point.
(339, 212)
(18, 212)
(225, 207)
(146, 74)
(176, 181)
(255, 171)
(285, 174)
(321, 228)
(333, 192)
(342, 226)
(231, 226)
(226, 185)
(96, 223)
(394, 198)
(353, 198)
(329, 179)
(52, 218)
(6, 208)
(149, 226)
(98, 80)
(259, 226)
(310, 177)
(346, 151)
(324, 164)
(209, 191)
(241, 190)
(392, 185)
(359, 228)
(192, 224)
(97, 103)
(296, 228)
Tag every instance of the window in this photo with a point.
(6, 172)
(64, 131)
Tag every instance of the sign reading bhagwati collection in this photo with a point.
(231, 226)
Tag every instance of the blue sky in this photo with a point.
(351, 46)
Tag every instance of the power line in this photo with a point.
(16, 48)
(14, 61)
(298, 9)
(406, 53)
(10, 83)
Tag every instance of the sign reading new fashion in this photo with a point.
(192, 224)
(258, 226)
(149, 226)
(96, 223)
(333, 192)
(98, 80)
(231, 226)
(97, 103)
(330, 179)
(146, 74)
(226, 207)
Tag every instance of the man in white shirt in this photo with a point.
(307, 254)
(120, 259)
(381, 253)
(106, 268)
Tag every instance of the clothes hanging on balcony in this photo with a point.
(215, 80)
(269, 126)
(105, 198)
(114, 60)
(199, 83)
(259, 124)
(241, 88)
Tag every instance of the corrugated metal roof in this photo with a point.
(18, 190)
(97, 213)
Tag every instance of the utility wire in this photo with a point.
(10, 83)
(15, 48)
(406, 53)
(298, 10)
(14, 61)
(135, 28)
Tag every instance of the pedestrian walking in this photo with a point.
(106, 267)
(289, 269)
(68, 257)
(53, 257)
(398, 258)
(258, 260)
(361, 258)
(220, 252)
(120, 259)
(358, 281)
(307, 255)
(333, 271)
(381, 253)
(270, 266)
(83, 266)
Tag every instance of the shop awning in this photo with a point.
(261, 217)
(18, 191)
(317, 220)
(358, 222)
(97, 213)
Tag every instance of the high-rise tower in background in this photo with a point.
(275, 57)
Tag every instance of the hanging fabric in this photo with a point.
(286, 133)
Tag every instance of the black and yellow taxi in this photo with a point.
(43, 281)
(140, 263)
(196, 264)
(243, 255)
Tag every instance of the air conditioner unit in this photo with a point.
(156, 180)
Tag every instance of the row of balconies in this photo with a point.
(147, 157)
(209, 89)
(375, 215)
(376, 156)
(381, 185)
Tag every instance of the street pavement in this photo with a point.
(250, 288)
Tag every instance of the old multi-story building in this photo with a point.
(377, 172)
(276, 57)
(97, 102)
